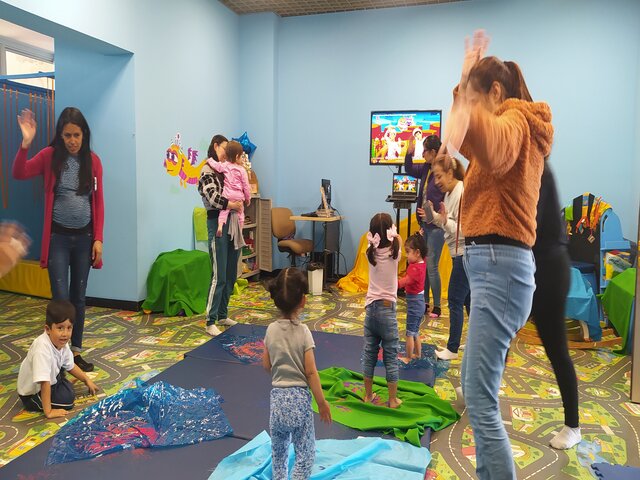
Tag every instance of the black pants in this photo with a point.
(552, 285)
(62, 396)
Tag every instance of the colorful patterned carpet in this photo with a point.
(127, 345)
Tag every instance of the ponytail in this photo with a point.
(507, 74)
(518, 85)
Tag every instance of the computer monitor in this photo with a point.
(326, 186)
(404, 184)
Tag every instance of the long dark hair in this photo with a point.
(379, 224)
(217, 139)
(507, 74)
(288, 289)
(60, 152)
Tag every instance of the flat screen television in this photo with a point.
(391, 131)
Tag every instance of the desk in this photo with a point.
(331, 226)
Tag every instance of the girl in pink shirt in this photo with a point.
(381, 324)
(236, 182)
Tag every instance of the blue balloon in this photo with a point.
(247, 146)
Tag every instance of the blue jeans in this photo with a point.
(381, 328)
(415, 313)
(502, 283)
(71, 253)
(435, 241)
(224, 263)
(458, 292)
(291, 421)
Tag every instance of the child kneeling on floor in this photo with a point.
(288, 355)
(380, 323)
(413, 284)
(42, 385)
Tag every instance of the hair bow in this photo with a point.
(392, 233)
(374, 240)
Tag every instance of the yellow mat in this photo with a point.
(357, 280)
(27, 278)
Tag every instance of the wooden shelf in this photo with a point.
(250, 274)
(245, 257)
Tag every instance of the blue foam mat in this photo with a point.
(188, 462)
(332, 350)
(606, 471)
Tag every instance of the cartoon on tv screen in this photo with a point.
(391, 133)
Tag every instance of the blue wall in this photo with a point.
(334, 69)
(183, 77)
(303, 88)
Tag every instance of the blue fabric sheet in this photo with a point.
(582, 305)
(606, 471)
(360, 458)
(158, 415)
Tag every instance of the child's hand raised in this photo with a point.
(325, 412)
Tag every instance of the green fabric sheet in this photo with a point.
(200, 224)
(179, 281)
(421, 407)
(617, 301)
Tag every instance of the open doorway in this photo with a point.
(27, 80)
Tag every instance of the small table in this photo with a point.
(333, 245)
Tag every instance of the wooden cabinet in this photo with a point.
(256, 255)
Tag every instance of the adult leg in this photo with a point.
(427, 285)
(80, 263)
(458, 293)
(435, 242)
(212, 227)
(501, 279)
(231, 273)
(58, 266)
(552, 285)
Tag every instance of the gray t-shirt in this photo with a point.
(287, 343)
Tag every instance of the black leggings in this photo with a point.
(552, 286)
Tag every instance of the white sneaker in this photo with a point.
(213, 330)
(446, 354)
(227, 322)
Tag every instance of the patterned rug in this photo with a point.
(129, 345)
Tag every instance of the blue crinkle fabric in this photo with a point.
(157, 415)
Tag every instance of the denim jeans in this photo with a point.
(381, 328)
(415, 313)
(458, 292)
(435, 241)
(502, 283)
(71, 253)
(224, 263)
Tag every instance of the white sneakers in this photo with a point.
(446, 354)
(227, 322)
(567, 438)
(213, 330)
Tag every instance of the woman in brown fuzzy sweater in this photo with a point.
(505, 136)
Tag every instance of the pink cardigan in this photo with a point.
(40, 164)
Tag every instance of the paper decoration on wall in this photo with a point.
(185, 167)
(247, 146)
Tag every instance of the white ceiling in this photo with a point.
(289, 8)
(16, 33)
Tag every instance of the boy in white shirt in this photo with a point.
(42, 386)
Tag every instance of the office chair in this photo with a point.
(284, 230)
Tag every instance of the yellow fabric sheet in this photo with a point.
(357, 280)
(27, 278)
